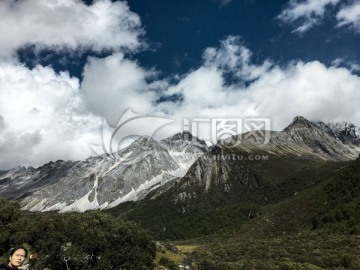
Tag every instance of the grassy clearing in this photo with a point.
(177, 258)
(186, 249)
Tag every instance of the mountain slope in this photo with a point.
(301, 139)
(346, 132)
(100, 182)
(231, 185)
(318, 228)
(224, 196)
(153, 167)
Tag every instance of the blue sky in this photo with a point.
(67, 65)
(180, 30)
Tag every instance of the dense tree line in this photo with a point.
(316, 216)
(331, 243)
(306, 250)
(222, 212)
(343, 201)
(9, 214)
(91, 240)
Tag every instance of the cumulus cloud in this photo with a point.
(306, 13)
(46, 115)
(277, 92)
(350, 16)
(42, 117)
(351, 65)
(234, 57)
(67, 23)
(307, 89)
(113, 84)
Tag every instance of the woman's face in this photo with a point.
(17, 258)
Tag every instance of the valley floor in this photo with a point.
(306, 250)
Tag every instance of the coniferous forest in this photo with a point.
(312, 225)
(80, 240)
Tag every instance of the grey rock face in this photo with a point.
(149, 166)
(184, 148)
(303, 139)
(100, 182)
(20, 182)
(346, 132)
(207, 171)
(184, 142)
(216, 175)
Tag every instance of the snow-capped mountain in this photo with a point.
(152, 167)
(303, 139)
(222, 171)
(100, 182)
(346, 132)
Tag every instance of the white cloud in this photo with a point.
(42, 118)
(350, 15)
(306, 13)
(351, 65)
(113, 84)
(310, 89)
(67, 23)
(233, 56)
(46, 116)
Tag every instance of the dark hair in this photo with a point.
(13, 250)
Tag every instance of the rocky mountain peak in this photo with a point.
(144, 140)
(103, 181)
(184, 141)
(300, 122)
(185, 136)
(146, 164)
(346, 132)
(306, 139)
(143, 143)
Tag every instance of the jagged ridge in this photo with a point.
(100, 182)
